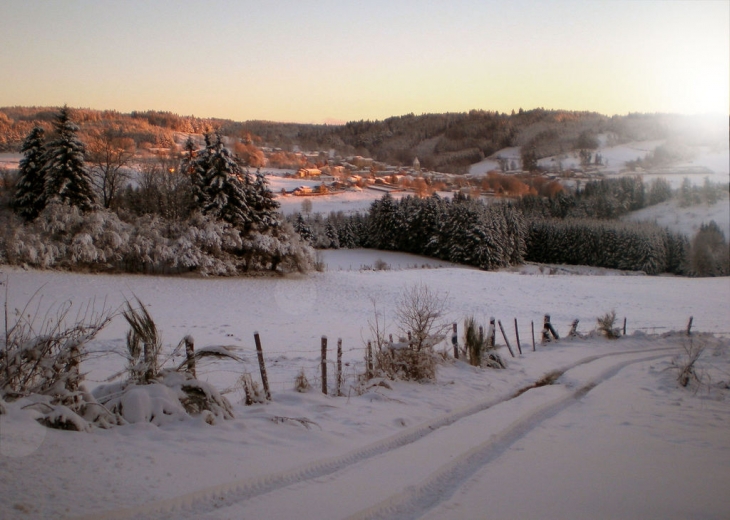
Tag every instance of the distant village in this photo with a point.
(337, 174)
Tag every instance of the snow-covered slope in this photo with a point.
(687, 220)
(703, 162)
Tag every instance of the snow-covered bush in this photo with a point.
(405, 363)
(153, 394)
(481, 352)
(173, 396)
(42, 357)
(143, 344)
(62, 236)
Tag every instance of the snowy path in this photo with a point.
(430, 461)
(625, 451)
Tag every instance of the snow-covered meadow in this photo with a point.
(613, 437)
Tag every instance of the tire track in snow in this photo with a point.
(441, 485)
(199, 502)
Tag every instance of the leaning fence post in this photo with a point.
(190, 356)
(324, 365)
(339, 366)
(517, 335)
(505, 338)
(455, 342)
(689, 326)
(262, 365)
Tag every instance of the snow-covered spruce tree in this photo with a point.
(383, 224)
(333, 241)
(196, 163)
(264, 208)
(67, 179)
(223, 193)
(346, 235)
(303, 229)
(30, 189)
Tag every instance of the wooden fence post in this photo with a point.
(532, 327)
(455, 342)
(482, 343)
(339, 366)
(689, 326)
(548, 330)
(505, 338)
(324, 365)
(369, 360)
(262, 365)
(491, 333)
(517, 335)
(190, 356)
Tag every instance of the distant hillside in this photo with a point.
(448, 142)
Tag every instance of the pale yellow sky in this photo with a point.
(312, 61)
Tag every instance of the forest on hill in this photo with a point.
(448, 142)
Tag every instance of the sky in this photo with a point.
(334, 61)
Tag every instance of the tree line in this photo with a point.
(448, 142)
(580, 228)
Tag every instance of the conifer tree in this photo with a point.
(333, 241)
(301, 227)
(221, 192)
(30, 190)
(263, 205)
(67, 179)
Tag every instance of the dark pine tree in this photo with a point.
(30, 190)
(67, 179)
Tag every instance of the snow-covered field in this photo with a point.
(687, 220)
(614, 437)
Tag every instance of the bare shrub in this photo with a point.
(686, 364)
(42, 354)
(419, 315)
(301, 383)
(381, 265)
(606, 325)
